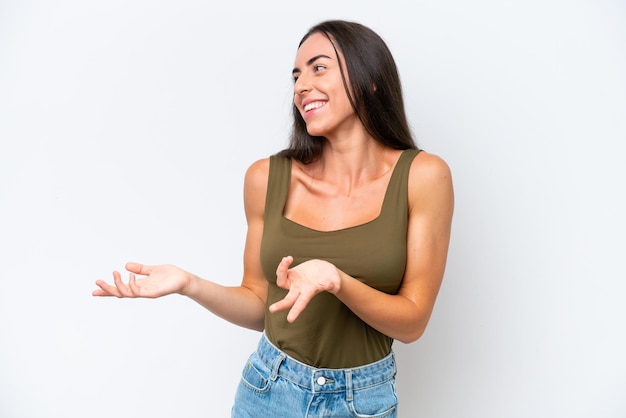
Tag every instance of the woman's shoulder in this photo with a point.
(259, 168)
(255, 187)
(429, 167)
(429, 177)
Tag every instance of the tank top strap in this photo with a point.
(278, 182)
(397, 194)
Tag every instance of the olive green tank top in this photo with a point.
(327, 334)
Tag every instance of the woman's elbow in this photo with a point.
(412, 333)
(411, 337)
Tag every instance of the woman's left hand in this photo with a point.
(303, 282)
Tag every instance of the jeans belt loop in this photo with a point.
(349, 395)
(276, 366)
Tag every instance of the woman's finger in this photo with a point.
(282, 272)
(286, 302)
(122, 288)
(298, 306)
(132, 284)
(138, 268)
(100, 291)
(105, 289)
(283, 267)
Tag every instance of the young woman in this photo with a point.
(348, 233)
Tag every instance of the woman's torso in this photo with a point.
(327, 334)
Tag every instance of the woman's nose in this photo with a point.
(302, 85)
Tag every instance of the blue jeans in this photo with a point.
(274, 385)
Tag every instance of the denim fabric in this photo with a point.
(274, 385)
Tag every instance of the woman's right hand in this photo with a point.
(156, 281)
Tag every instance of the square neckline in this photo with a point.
(394, 174)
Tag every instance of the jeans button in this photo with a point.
(321, 380)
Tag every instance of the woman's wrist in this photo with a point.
(338, 281)
(190, 286)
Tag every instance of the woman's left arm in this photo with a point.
(403, 316)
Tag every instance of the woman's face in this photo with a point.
(319, 92)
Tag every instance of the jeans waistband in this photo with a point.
(324, 380)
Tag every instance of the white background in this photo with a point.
(125, 131)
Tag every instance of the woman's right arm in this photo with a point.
(243, 305)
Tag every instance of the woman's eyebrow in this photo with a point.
(309, 62)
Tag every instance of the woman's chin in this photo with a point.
(313, 131)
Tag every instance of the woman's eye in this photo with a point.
(318, 67)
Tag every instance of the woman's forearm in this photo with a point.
(240, 305)
(396, 316)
